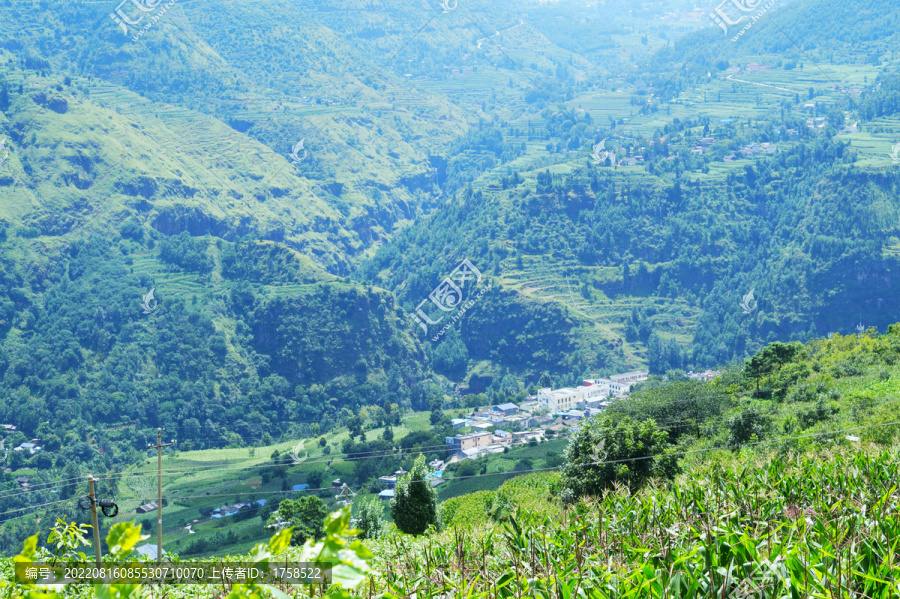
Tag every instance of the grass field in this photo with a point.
(198, 481)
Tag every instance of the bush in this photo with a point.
(749, 426)
(370, 517)
(821, 412)
(306, 515)
(877, 418)
(852, 366)
(604, 451)
(414, 505)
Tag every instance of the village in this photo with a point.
(548, 414)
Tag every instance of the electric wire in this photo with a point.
(535, 470)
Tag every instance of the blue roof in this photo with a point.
(438, 474)
(387, 493)
(507, 406)
(300, 487)
(261, 502)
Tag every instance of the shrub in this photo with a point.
(414, 505)
(604, 451)
(306, 515)
(370, 517)
(749, 426)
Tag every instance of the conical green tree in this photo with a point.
(414, 505)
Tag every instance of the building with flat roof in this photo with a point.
(630, 377)
(610, 387)
(470, 441)
(482, 425)
(559, 400)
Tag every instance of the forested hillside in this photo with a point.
(239, 221)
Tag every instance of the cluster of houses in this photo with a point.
(753, 149)
(551, 411)
(436, 478)
(706, 375)
(703, 144)
(753, 67)
(32, 447)
(231, 510)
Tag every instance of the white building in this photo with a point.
(610, 387)
(630, 377)
(560, 400)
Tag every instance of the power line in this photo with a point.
(520, 472)
(346, 457)
(33, 488)
(364, 457)
(31, 507)
(594, 463)
(122, 475)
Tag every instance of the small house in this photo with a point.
(147, 507)
(508, 409)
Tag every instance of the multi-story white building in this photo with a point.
(610, 387)
(630, 377)
(589, 395)
(560, 400)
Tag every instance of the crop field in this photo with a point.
(196, 482)
(731, 526)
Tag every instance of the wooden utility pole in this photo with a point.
(93, 498)
(159, 446)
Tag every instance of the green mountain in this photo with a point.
(741, 169)
(634, 190)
